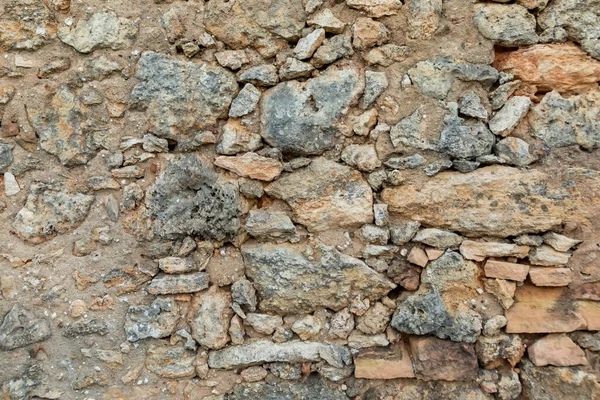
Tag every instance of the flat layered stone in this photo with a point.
(312, 388)
(556, 349)
(566, 383)
(437, 359)
(547, 256)
(384, 363)
(497, 201)
(479, 251)
(265, 351)
(287, 282)
(545, 276)
(179, 283)
(251, 165)
(506, 270)
(376, 8)
(326, 195)
(550, 310)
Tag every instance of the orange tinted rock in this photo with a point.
(562, 67)
(437, 359)
(251, 165)
(550, 310)
(502, 290)
(418, 257)
(556, 349)
(545, 276)
(506, 270)
(478, 251)
(383, 363)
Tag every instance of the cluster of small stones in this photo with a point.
(300, 199)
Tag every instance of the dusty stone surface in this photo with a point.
(360, 199)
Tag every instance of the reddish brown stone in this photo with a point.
(556, 349)
(437, 359)
(506, 270)
(548, 276)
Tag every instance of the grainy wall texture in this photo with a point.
(299, 199)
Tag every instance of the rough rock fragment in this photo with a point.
(288, 282)
(325, 195)
(243, 293)
(560, 242)
(386, 55)
(567, 383)
(303, 118)
(209, 317)
(251, 165)
(232, 59)
(579, 19)
(268, 225)
(263, 323)
(438, 238)
(154, 321)
(265, 351)
(173, 362)
(368, 33)
(436, 359)
(514, 151)
(561, 67)
(470, 105)
(494, 351)
(237, 138)
(375, 84)
(424, 18)
(293, 69)
(21, 328)
(479, 251)
(179, 283)
(65, 129)
(260, 75)
(464, 139)
(363, 157)
(102, 30)
(186, 207)
(506, 24)
(375, 320)
(547, 256)
(326, 20)
(376, 8)
(545, 276)
(48, 211)
(312, 388)
(503, 290)
(180, 98)
(509, 116)
(333, 49)
(26, 24)
(307, 46)
(497, 201)
(556, 349)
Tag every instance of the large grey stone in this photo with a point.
(156, 320)
(464, 139)
(312, 388)
(287, 282)
(265, 351)
(304, 117)
(186, 196)
(181, 98)
(506, 24)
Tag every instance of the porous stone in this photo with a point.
(21, 327)
(286, 281)
(312, 388)
(496, 350)
(375, 320)
(566, 383)
(288, 120)
(156, 320)
(325, 195)
(464, 139)
(188, 210)
(102, 30)
(26, 25)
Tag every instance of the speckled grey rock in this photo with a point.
(506, 24)
(438, 238)
(470, 105)
(243, 293)
(6, 157)
(178, 283)
(156, 320)
(187, 207)
(290, 123)
(260, 75)
(514, 151)
(375, 84)
(464, 139)
(312, 388)
(333, 49)
(21, 328)
(245, 102)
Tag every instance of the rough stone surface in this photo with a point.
(507, 25)
(384, 363)
(556, 349)
(325, 195)
(102, 30)
(156, 320)
(209, 317)
(21, 327)
(558, 382)
(437, 359)
(287, 281)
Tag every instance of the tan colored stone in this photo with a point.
(506, 270)
(545, 276)
(550, 310)
(77, 308)
(376, 8)
(384, 363)
(502, 290)
(367, 33)
(418, 257)
(251, 165)
(209, 317)
(437, 359)
(547, 256)
(562, 67)
(478, 251)
(433, 253)
(497, 200)
(556, 349)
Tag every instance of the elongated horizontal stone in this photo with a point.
(498, 201)
(384, 363)
(478, 251)
(179, 283)
(506, 270)
(265, 351)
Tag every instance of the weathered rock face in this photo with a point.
(173, 362)
(181, 98)
(506, 25)
(209, 317)
(287, 281)
(102, 30)
(154, 321)
(558, 382)
(49, 211)
(312, 388)
(325, 195)
(561, 67)
(21, 328)
(437, 359)
(26, 25)
(417, 389)
(65, 129)
(304, 118)
(185, 207)
(498, 201)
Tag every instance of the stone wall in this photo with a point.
(299, 199)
